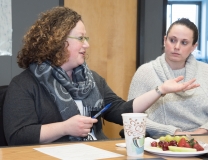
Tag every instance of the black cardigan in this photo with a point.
(28, 106)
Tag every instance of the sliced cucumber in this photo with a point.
(181, 149)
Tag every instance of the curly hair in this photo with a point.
(46, 38)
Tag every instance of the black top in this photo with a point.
(28, 106)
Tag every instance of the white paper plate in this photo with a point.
(148, 148)
(123, 145)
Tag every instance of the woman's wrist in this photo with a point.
(64, 128)
(158, 90)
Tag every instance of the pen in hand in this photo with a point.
(101, 111)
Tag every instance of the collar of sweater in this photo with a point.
(164, 71)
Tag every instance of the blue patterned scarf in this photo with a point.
(64, 91)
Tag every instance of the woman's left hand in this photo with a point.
(172, 85)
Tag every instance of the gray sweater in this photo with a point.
(185, 111)
(27, 106)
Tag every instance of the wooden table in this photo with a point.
(28, 153)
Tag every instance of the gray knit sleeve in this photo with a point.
(141, 83)
(205, 126)
(156, 129)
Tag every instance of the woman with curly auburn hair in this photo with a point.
(47, 37)
(57, 95)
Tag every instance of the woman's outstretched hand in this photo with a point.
(171, 86)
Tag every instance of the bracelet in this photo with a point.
(159, 92)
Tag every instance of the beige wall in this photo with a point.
(111, 26)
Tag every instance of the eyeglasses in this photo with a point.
(81, 39)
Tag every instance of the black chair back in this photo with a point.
(3, 90)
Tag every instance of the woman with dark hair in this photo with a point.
(56, 95)
(181, 112)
